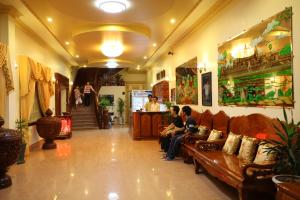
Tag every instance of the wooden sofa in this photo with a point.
(219, 121)
(228, 168)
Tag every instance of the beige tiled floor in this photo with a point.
(108, 164)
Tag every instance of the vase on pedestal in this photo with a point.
(48, 128)
(10, 141)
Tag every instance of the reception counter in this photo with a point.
(146, 125)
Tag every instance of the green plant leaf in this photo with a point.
(285, 116)
(280, 93)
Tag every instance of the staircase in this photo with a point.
(84, 118)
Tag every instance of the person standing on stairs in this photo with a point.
(87, 93)
(77, 95)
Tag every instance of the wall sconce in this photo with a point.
(71, 83)
(202, 67)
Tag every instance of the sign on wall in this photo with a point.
(187, 83)
(255, 68)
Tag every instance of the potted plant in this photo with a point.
(167, 115)
(121, 105)
(20, 126)
(287, 150)
(103, 103)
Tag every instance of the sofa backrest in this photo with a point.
(255, 125)
(197, 116)
(207, 120)
(221, 123)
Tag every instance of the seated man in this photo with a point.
(190, 128)
(176, 126)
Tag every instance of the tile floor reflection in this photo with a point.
(108, 165)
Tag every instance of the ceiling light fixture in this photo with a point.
(112, 6)
(145, 57)
(112, 48)
(173, 21)
(77, 56)
(111, 64)
(67, 43)
(49, 19)
(154, 44)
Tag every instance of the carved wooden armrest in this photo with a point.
(255, 171)
(193, 138)
(215, 145)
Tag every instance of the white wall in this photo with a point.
(232, 20)
(117, 91)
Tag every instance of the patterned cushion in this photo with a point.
(248, 149)
(202, 130)
(263, 157)
(214, 135)
(232, 143)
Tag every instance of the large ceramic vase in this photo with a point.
(48, 128)
(10, 142)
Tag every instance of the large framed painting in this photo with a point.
(256, 67)
(187, 83)
(206, 89)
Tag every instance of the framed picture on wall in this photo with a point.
(173, 95)
(206, 89)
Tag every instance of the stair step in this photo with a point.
(85, 128)
(84, 124)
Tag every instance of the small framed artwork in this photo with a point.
(206, 89)
(173, 95)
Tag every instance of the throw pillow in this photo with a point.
(248, 149)
(262, 156)
(202, 130)
(232, 143)
(214, 135)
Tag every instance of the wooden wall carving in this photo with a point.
(161, 90)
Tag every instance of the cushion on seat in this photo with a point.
(248, 149)
(202, 130)
(263, 156)
(232, 143)
(214, 135)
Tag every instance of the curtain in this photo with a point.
(5, 77)
(45, 88)
(32, 73)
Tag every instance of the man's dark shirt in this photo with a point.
(191, 125)
(177, 121)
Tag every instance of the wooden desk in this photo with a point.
(288, 191)
(145, 125)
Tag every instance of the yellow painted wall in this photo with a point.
(203, 43)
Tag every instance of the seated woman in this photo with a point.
(174, 128)
(190, 128)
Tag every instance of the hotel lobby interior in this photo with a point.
(149, 99)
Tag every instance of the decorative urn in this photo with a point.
(48, 128)
(10, 143)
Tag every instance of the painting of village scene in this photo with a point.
(255, 68)
(187, 83)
